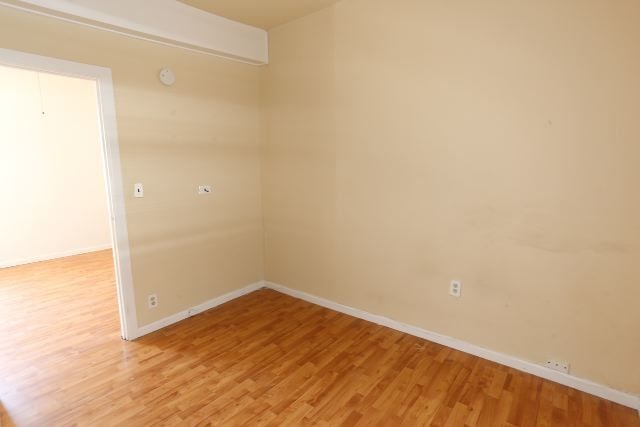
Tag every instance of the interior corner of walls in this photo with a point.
(600, 390)
(194, 310)
(266, 58)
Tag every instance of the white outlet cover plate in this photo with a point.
(152, 301)
(455, 288)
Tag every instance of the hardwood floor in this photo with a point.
(263, 359)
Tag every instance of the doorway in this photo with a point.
(51, 83)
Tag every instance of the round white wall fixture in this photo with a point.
(167, 77)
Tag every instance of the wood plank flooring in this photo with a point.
(263, 359)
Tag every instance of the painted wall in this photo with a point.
(203, 130)
(410, 143)
(51, 173)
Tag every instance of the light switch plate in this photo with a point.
(138, 190)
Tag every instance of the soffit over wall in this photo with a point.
(168, 22)
(264, 14)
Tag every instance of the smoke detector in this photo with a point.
(167, 77)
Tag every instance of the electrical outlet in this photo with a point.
(557, 365)
(152, 300)
(455, 288)
(204, 189)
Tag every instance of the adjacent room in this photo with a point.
(319, 212)
(52, 175)
(56, 264)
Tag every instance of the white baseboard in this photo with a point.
(56, 255)
(174, 318)
(581, 384)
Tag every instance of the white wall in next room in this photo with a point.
(52, 190)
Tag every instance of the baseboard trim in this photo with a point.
(49, 257)
(581, 384)
(177, 317)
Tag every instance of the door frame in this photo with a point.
(112, 169)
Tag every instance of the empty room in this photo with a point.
(320, 212)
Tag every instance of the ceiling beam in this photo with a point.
(162, 21)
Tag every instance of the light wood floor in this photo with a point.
(263, 359)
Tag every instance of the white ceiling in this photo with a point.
(261, 13)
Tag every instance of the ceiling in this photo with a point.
(261, 13)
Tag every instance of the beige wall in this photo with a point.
(410, 143)
(51, 171)
(204, 130)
